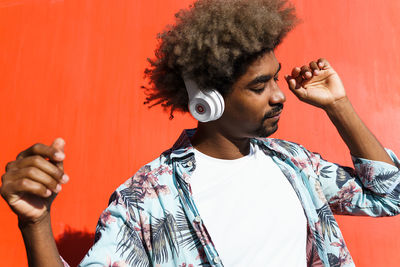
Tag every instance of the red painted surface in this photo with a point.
(74, 69)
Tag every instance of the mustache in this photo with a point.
(277, 109)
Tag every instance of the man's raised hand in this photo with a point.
(32, 181)
(317, 84)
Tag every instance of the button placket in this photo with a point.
(217, 260)
(197, 219)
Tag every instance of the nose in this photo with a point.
(277, 96)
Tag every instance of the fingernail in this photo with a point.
(59, 156)
(64, 178)
(58, 188)
(48, 192)
(59, 141)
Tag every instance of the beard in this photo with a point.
(264, 131)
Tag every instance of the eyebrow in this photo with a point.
(264, 78)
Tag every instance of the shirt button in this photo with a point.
(190, 163)
(197, 219)
(217, 259)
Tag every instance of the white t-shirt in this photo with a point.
(250, 210)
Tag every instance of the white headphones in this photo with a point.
(204, 105)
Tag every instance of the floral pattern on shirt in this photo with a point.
(152, 219)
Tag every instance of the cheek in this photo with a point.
(248, 112)
(246, 108)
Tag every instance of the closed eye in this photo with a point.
(258, 90)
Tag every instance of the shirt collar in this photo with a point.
(183, 147)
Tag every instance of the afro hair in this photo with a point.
(213, 42)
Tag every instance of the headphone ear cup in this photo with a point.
(201, 107)
(207, 105)
(217, 102)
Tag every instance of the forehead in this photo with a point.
(264, 65)
(267, 64)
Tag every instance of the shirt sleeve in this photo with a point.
(371, 188)
(118, 235)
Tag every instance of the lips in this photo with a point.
(275, 112)
(275, 115)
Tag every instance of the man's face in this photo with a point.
(253, 106)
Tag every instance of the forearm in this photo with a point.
(40, 245)
(358, 138)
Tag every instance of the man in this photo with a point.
(223, 193)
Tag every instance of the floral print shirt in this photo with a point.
(152, 219)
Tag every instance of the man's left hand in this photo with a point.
(317, 84)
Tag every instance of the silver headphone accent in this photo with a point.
(204, 105)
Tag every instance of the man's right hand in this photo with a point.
(33, 180)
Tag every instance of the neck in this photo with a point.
(216, 143)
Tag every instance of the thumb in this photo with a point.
(59, 144)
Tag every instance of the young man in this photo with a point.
(223, 192)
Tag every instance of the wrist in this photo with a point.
(41, 247)
(38, 224)
(338, 107)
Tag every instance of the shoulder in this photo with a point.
(155, 180)
(152, 173)
(150, 183)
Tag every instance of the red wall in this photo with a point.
(74, 68)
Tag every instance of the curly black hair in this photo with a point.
(213, 42)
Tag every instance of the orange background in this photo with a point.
(74, 69)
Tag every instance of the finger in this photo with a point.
(59, 144)
(295, 72)
(298, 91)
(306, 72)
(39, 176)
(45, 166)
(291, 82)
(44, 151)
(11, 166)
(314, 67)
(4, 178)
(323, 63)
(25, 185)
(298, 79)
